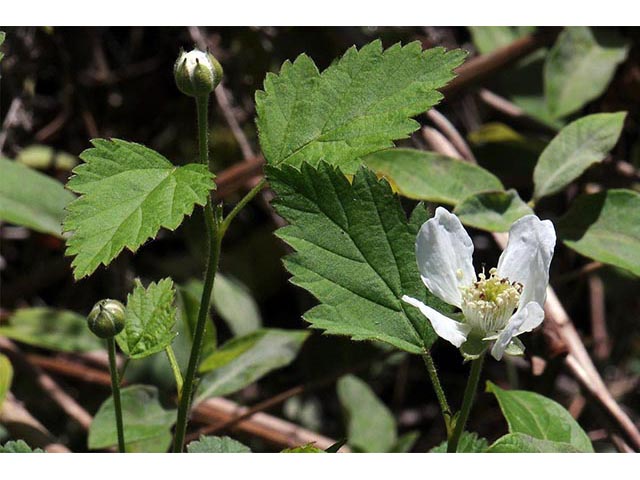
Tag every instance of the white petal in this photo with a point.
(447, 328)
(524, 320)
(527, 257)
(444, 251)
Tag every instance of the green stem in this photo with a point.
(241, 204)
(115, 391)
(175, 368)
(213, 242)
(435, 381)
(469, 395)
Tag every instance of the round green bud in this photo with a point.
(197, 73)
(106, 318)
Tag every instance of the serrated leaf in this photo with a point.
(487, 39)
(18, 446)
(354, 253)
(6, 376)
(532, 414)
(429, 176)
(145, 421)
(217, 445)
(149, 319)
(58, 330)
(579, 67)
(308, 448)
(492, 211)
(128, 192)
(469, 442)
(360, 104)
(605, 226)
(521, 443)
(578, 146)
(371, 426)
(32, 199)
(243, 360)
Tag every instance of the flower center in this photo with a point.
(488, 303)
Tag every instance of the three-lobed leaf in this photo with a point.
(605, 226)
(539, 417)
(493, 211)
(149, 319)
(210, 444)
(360, 104)
(128, 192)
(370, 424)
(355, 253)
(32, 199)
(578, 146)
(429, 176)
(580, 66)
(147, 425)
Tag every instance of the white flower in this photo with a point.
(499, 307)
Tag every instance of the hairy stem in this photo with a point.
(435, 381)
(241, 204)
(115, 391)
(469, 395)
(213, 243)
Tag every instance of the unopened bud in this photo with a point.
(197, 73)
(106, 318)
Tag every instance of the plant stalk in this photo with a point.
(213, 243)
(467, 402)
(437, 386)
(115, 391)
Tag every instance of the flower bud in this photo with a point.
(106, 318)
(197, 73)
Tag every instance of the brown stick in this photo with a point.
(601, 343)
(447, 128)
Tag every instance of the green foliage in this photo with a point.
(539, 417)
(32, 199)
(18, 446)
(521, 443)
(150, 318)
(492, 211)
(2, 37)
(354, 253)
(487, 39)
(6, 376)
(360, 104)
(243, 360)
(429, 176)
(43, 157)
(234, 303)
(406, 442)
(578, 145)
(128, 192)
(147, 426)
(308, 448)
(605, 226)
(469, 442)
(188, 300)
(370, 425)
(58, 330)
(580, 66)
(217, 445)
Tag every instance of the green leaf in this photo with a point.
(406, 442)
(487, 39)
(188, 300)
(128, 192)
(59, 330)
(360, 104)
(370, 425)
(32, 199)
(580, 66)
(217, 445)
(234, 303)
(469, 442)
(308, 448)
(429, 176)
(605, 226)
(149, 321)
(243, 360)
(354, 253)
(492, 211)
(521, 443)
(2, 36)
(145, 421)
(540, 417)
(578, 145)
(6, 375)
(43, 157)
(18, 446)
